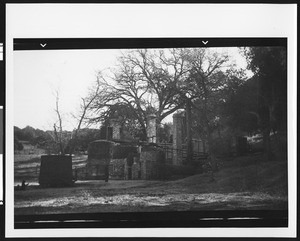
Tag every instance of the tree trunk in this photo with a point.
(59, 141)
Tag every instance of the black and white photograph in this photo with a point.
(138, 132)
(148, 130)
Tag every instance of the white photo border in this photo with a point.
(156, 21)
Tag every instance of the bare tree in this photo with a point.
(60, 136)
(58, 130)
(146, 81)
(205, 80)
(161, 82)
(162, 71)
(82, 116)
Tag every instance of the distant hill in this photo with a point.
(31, 135)
(45, 139)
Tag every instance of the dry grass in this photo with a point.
(243, 183)
(240, 175)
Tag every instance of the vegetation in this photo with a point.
(46, 139)
(219, 101)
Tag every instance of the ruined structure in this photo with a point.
(151, 128)
(99, 158)
(152, 163)
(132, 170)
(56, 171)
(179, 144)
(113, 157)
(126, 159)
(178, 134)
(129, 160)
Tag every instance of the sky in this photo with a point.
(38, 74)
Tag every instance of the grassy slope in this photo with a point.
(248, 173)
(245, 182)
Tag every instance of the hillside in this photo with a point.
(247, 173)
(243, 183)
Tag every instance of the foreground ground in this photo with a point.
(243, 183)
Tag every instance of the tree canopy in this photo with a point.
(159, 82)
(218, 99)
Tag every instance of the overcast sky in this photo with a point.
(38, 74)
